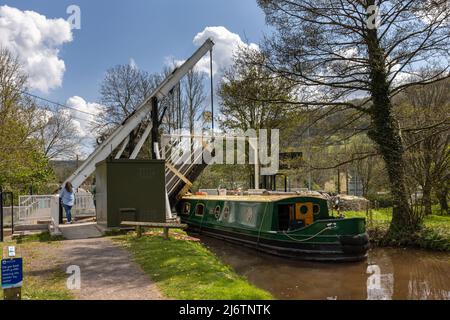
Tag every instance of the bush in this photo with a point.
(425, 238)
(380, 200)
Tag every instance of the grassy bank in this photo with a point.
(435, 233)
(184, 269)
(40, 282)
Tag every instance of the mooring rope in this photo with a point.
(312, 237)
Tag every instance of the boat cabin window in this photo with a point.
(217, 212)
(200, 209)
(303, 209)
(226, 212)
(186, 208)
(316, 209)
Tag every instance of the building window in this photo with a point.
(186, 208)
(200, 209)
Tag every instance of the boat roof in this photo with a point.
(250, 198)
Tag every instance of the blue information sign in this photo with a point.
(12, 275)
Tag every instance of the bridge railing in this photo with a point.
(33, 208)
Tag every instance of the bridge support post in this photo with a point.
(56, 215)
(168, 209)
(155, 125)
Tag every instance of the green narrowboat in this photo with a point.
(286, 225)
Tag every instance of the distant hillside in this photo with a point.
(64, 168)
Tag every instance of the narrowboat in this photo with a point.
(293, 226)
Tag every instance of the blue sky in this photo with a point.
(148, 31)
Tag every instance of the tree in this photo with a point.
(442, 189)
(367, 169)
(184, 106)
(424, 118)
(246, 92)
(58, 135)
(123, 89)
(335, 52)
(22, 161)
(172, 108)
(194, 97)
(242, 92)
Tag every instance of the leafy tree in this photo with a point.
(223, 176)
(243, 91)
(22, 161)
(334, 51)
(246, 92)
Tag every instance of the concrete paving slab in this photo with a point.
(80, 231)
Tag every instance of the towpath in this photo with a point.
(108, 271)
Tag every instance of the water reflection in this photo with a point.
(387, 274)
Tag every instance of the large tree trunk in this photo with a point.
(386, 135)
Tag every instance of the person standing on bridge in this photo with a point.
(68, 199)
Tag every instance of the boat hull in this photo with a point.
(344, 249)
(290, 226)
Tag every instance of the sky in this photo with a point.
(67, 65)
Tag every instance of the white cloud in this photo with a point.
(226, 44)
(85, 118)
(36, 40)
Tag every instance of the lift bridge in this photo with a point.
(182, 168)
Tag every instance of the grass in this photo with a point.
(185, 269)
(39, 237)
(40, 282)
(435, 233)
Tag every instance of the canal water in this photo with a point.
(387, 274)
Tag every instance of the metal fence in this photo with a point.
(84, 205)
(33, 208)
(6, 212)
(8, 217)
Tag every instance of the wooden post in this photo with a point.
(12, 294)
(166, 233)
(139, 231)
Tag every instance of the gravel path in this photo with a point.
(107, 271)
